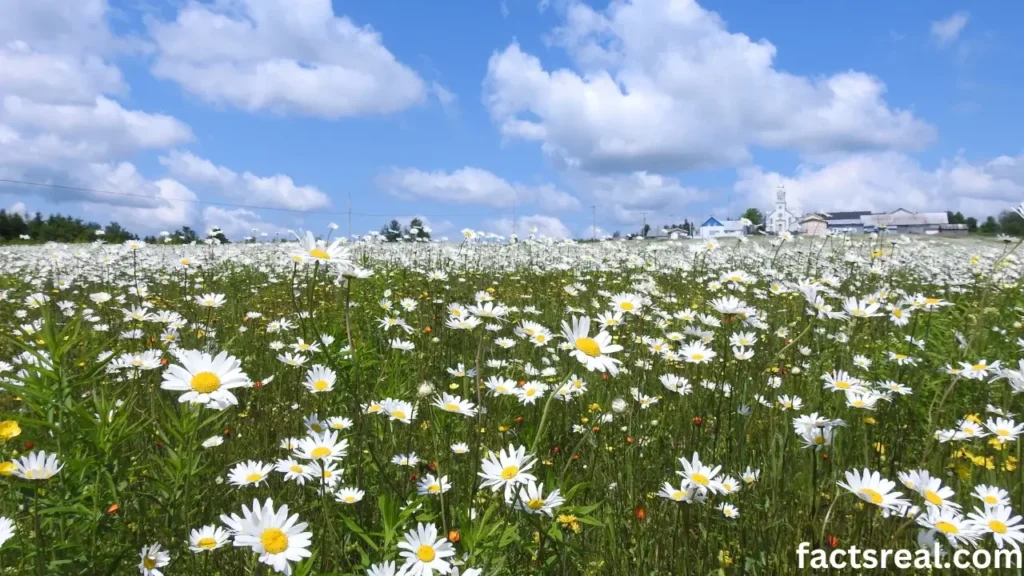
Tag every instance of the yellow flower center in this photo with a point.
(931, 301)
(872, 495)
(997, 526)
(149, 562)
(185, 261)
(321, 384)
(350, 499)
(206, 543)
(451, 407)
(1002, 432)
(531, 391)
(296, 469)
(541, 338)
(434, 488)
(425, 553)
(700, 479)
(990, 499)
(274, 541)
(509, 472)
(897, 313)
(588, 346)
(980, 367)
(320, 452)
(316, 428)
(254, 477)
(819, 439)
(627, 306)
(205, 382)
(947, 527)
(535, 504)
(842, 385)
(318, 253)
(399, 414)
(697, 356)
(933, 498)
(678, 495)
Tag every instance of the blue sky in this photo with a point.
(469, 112)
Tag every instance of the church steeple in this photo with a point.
(780, 194)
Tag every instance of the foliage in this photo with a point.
(142, 467)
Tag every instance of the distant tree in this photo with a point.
(972, 224)
(1011, 223)
(990, 226)
(755, 216)
(956, 218)
(185, 235)
(645, 230)
(417, 230)
(391, 231)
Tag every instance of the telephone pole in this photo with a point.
(643, 231)
(593, 221)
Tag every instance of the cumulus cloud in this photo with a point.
(278, 190)
(538, 224)
(472, 186)
(890, 180)
(629, 198)
(140, 204)
(663, 85)
(238, 223)
(60, 122)
(283, 56)
(946, 31)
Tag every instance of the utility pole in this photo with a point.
(643, 233)
(593, 223)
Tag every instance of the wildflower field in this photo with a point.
(485, 408)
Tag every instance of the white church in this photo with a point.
(781, 219)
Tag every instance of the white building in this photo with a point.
(713, 228)
(781, 219)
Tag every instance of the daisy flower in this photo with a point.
(151, 559)
(349, 495)
(37, 466)
(207, 538)
(424, 552)
(205, 379)
(696, 474)
(320, 379)
(507, 469)
(250, 473)
(532, 501)
(591, 352)
(871, 487)
(279, 539)
(432, 485)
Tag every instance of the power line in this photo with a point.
(348, 212)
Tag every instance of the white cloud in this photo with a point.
(890, 180)
(283, 56)
(59, 123)
(548, 226)
(663, 85)
(273, 191)
(630, 198)
(18, 208)
(448, 99)
(946, 31)
(472, 186)
(153, 205)
(238, 223)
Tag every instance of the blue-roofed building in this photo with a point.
(714, 228)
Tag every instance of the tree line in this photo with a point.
(15, 227)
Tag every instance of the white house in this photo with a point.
(713, 228)
(781, 219)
